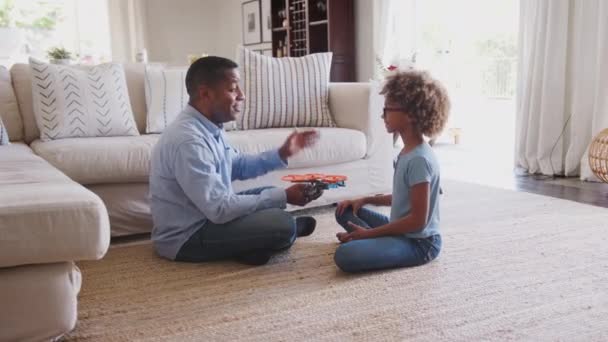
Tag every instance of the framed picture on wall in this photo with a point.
(266, 52)
(252, 33)
(266, 21)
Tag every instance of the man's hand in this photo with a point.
(296, 142)
(296, 194)
(356, 204)
(356, 233)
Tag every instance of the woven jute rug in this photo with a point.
(515, 266)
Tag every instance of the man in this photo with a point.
(197, 216)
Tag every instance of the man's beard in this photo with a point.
(221, 117)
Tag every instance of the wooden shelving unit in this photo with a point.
(302, 27)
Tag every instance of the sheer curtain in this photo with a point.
(395, 31)
(561, 91)
(32, 27)
(127, 28)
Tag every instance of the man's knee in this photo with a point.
(282, 227)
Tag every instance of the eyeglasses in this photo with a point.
(391, 109)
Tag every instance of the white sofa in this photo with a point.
(51, 213)
(47, 221)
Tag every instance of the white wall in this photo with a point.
(178, 28)
(231, 27)
(364, 27)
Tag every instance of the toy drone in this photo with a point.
(318, 183)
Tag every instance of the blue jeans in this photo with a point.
(382, 252)
(268, 229)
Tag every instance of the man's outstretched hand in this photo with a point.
(296, 142)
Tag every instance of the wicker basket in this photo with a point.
(598, 155)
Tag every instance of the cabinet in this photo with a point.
(302, 27)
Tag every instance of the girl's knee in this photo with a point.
(345, 259)
(341, 218)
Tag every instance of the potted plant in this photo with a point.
(59, 55)
(194, 58)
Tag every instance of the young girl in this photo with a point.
(415, 106)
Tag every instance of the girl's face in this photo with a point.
(395, 117)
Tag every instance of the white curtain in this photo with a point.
(561, 91)
(395, 31)
(127, 28)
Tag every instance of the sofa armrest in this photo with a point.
(352, 107)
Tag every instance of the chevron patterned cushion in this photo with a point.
(81, 102)
(3, 134)
(285, 92)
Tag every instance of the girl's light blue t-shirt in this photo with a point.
(415, 167)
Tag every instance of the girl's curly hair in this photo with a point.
(422, 97)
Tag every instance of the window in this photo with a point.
(31, 27)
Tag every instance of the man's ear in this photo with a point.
(204, 92)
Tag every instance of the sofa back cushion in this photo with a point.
(284, 92)
(134, 73)
(3, 134)
(81, 102)
(166, 96)
(22, 85)
(9, 110)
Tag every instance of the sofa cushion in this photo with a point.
(3, 134)
(134, 74)
(100, 160)
(284, 92)
(44, 216)
(73, 101)
(9, 110)
(39, 302)
(166, 96)
(335, 145)
(22, 85)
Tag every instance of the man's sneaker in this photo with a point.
(305, 225)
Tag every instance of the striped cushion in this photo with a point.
(166, 96)
(3, 134)
(285, 92)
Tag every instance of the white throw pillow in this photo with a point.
(166, 97)
(3, 134)
(81, 101)
(285, 92)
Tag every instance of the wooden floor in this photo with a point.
(566, 188)
(497, 170)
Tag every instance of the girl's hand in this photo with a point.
(356, 204)
(343, 237)
(357, 233)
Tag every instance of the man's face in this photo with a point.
(226, 98)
